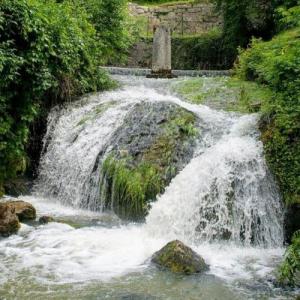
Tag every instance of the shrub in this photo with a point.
(111, 22)
(277, 64)
(291, 263)
(49, 52)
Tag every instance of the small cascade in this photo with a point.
(76, 136)
(224, 193)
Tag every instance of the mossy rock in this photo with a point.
(154, 143)
(45, 220)
(24, 210)
(178, 258)
(9, 222)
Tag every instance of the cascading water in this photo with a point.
(224, 204)
(225, 192)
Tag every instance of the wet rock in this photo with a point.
(9, 222)
(17, 187)
(178, 258)
(45, 219)
(154, 143)
(24, 210)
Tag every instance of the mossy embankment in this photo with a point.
(154, 143)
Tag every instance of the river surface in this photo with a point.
(225, 190)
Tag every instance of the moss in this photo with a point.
(178, 258)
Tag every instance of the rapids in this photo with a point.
(224, 204)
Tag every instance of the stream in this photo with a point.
(224, 204)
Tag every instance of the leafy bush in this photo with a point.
(291, 265)
(49, 52)
(277, 64)
(111, 23)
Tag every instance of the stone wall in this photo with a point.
(183, 19)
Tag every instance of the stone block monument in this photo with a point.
(161, 56)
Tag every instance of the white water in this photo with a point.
(228, 161)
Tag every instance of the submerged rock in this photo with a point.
(45, 219)
(154, 143)
(178, 258)
(9, 222)
(24, 210)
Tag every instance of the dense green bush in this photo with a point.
(49, 52)
(110, 20)
(277, 64)
(291, 264)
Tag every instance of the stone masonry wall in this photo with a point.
(183, 19)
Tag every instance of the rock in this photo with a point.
(178, 258)
(24, 210)
(9, 222)
(156, 141)
(45, 219)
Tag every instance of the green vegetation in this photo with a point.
(276, 64)
(291, 265)
(130, 189)
(130, 183)
(246, 19)
(228, 93)
(50, 51)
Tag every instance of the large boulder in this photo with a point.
(24, 210)
(178, 258)
(154, 143)
(9, 222)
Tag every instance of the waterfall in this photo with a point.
(224, 193)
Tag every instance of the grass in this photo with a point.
(129, 188)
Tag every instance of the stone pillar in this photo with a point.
(161, 55)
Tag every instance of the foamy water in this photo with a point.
(226, 189)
